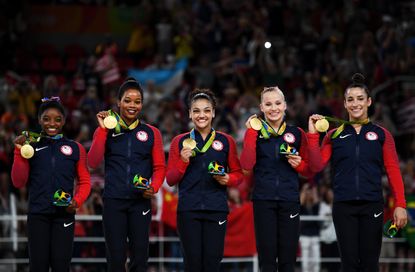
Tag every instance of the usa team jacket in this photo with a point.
(274, 178)
(358, 161)
(128, 153)
(55, 165)
(198, 190)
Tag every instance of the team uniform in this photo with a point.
(55, 165)
(128, 153)
(358, 161)
(275, 195)
(202, 209)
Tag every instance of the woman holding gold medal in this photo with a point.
(134, 172)
(203, 162)
(49, 163)
(359, 151)
(276, 153)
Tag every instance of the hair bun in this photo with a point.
(358, 78)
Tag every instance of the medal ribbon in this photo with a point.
(343, 123)
(207, 144)
(32, 137)
(121, 123)
(268, 131)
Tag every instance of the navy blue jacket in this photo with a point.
(198, 190)
(358, 161)
(55, 165)
(274, 178)
(128, 153)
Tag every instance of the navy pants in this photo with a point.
(277, 228)
(122, 219)
(50, 241)
(202, 236)
(359, 234)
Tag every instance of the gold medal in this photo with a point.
(27, 151)
(255, 123)
(110, 122)
(322, 125)
(190, 143)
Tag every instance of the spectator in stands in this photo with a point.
(202, 209)
(358, 152)
(57, 162)
(276, 194)
(134, 172)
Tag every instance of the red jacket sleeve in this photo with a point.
(20, 169)
(318, 157)
(97, 150)
(391, 163)
(175, 166)
(248, 155)
(303, 168)
(235, 172)
(159, 161)
(83, 186)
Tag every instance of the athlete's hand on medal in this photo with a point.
(222, 179)
(293, 160)
(101, 116)
(19, 141)
(312, 122)
(149, 193)
(73, 206)
(400, 217)
(185, 154)
(247, 123)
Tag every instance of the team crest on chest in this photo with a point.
(66, 150)
(142, 136)
(371, 136)
(289, 138)
(217, 145)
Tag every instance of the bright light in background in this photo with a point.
(267, 45)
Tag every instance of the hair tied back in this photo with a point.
(358, 78)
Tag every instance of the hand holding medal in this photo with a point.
(106, 120)
(23, 143)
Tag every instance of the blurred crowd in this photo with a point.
(309, 49)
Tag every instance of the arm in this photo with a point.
(318, 157)
(303, 168)
(20, 169)
(176, 167)
(235, 172)
(83, 186)
(159, 162)
(391, 163)
(248, 155)
(97, 150)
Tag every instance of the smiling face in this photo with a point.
(273, 106)
(202, 112)
(52, 121)
(130, 105)
(357, 102)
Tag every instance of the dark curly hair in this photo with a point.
(197, 94)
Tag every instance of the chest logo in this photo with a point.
(66, 150)
(289, 138)
(217, 145)
(371, 136)
(142, 136)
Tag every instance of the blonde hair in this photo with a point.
(272, 89)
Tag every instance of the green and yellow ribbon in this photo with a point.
(207, 144)
(121, 123)
(267, 130)
(340, 129)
